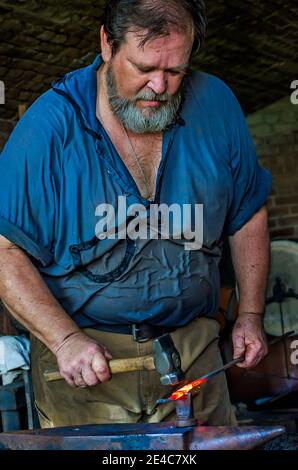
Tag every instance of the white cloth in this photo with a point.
(14, 354)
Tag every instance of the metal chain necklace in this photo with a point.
(149, 187)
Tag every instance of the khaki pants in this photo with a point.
(130, 397)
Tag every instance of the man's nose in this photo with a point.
(158, 83)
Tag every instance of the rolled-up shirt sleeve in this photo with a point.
(251, 182)
(27, 194)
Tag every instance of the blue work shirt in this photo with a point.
(59, 165)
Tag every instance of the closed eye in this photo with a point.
(175, 72)
(143, 69)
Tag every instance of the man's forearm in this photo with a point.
(250, 254)
(30, 301)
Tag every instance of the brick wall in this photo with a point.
(6, 128)
(275, 133)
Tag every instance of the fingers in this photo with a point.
(83, 379)
(100, 367)
(253, 355)
(89, 378)
(68, 379)
(86, 378)
(253, 352)
(239, 351)
(82, 361)
(239, 345)
(107, 355)
(249, 340)
(79, 381)
(91, 374)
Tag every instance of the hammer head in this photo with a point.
(167, 360)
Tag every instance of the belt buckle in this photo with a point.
(135, 334)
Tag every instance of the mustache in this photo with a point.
(151, 96)
(143, 96)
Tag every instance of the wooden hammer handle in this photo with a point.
(131, 364)
(116, 366)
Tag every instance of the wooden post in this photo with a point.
(22, 109)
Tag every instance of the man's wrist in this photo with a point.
(59, 344)
(258, 313)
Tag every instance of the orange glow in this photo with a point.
(181, 392)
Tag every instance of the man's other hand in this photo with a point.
(249, 339)
(82, 361)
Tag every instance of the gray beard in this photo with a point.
(142, 121)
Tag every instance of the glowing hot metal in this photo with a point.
(180, 394)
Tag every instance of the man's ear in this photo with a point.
(106, 48)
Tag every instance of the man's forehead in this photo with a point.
(137, 39)
(173, 49)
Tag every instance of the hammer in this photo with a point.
(165, 360)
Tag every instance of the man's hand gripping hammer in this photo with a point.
(165, 360)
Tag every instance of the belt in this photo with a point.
(140, 332)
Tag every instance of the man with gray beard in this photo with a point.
(135, 124)
(136, 120)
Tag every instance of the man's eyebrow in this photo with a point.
(148, 68)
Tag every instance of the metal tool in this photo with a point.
(215, 372)
(241, 358)
(165, 360)
(184, 412)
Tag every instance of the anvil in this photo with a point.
(161, 436)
